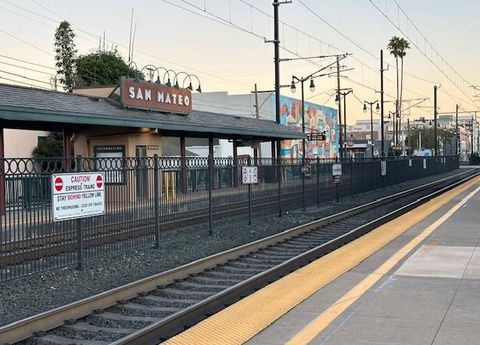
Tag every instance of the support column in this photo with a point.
(66, 144)
(210, 153)
(2, 174)
(273, 143)
(183, 165)
(235, 163)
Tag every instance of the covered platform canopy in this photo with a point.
(28, 108)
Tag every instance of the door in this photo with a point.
(141, 171)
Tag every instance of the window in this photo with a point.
(110, 159)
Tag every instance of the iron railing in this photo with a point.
(148, 196)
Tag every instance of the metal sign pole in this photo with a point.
(210, 180)
(79, 221)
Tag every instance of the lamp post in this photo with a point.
(312, 88)
(337, 99)
(435, 112)
(371, 117)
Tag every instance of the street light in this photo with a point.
(365, 103)
(312, 88)
(344, 94)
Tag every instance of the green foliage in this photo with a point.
(427, 137)
(103, 68)
(65, 52)
(49, 146)
(398, 46)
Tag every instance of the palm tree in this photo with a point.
(397, 47)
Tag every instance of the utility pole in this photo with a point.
(256, 149)
(408, 135)
(457, 135)
(381, 104)
(371, 104)
(339, 109)
(435, 113)
(276, 45)
(471, 138)
(478, 137)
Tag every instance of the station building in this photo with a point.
(133, 119)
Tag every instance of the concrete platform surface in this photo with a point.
(432, 296)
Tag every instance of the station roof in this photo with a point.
(29, 108)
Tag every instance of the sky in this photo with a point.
(223, 43)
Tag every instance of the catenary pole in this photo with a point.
(382, 104)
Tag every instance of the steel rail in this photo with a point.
(26, 328)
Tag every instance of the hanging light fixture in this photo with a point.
(377, 108)
(337, 98)
(312, 85)
(364, 108)
(293, 88)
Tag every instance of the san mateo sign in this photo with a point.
(155, 97)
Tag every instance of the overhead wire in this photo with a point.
(23, 83)
(24, 77)
(397, 26)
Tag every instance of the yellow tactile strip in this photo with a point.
(244, 319)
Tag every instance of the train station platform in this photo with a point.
(414, 280)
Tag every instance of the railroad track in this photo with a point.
(22, 252)
(157, 307)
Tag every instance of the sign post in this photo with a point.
(337, 173)
(249, 177)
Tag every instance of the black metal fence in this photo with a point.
(146, 197)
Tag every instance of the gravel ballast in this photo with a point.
(31, 295)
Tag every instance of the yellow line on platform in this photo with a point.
(239, 322)
(322, 321)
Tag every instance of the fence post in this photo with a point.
(364, 164)
(250, 195)
(211, 181)
(156, 200)
(337, 192)
(79, 221)
(303, 182)
(279, 180)
(318, 182)
(351, 177)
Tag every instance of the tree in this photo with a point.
(397, 47)
(65, 52)
(103, 68)
(423, 138)
(49, 146)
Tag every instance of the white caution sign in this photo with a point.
(249, 175)
(383, 168)
(78, 195)
(336, 169)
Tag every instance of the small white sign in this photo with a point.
(337, 170)
(410, 163)
(249, 175)
(383, 168)
(78, 195)
(424, 163)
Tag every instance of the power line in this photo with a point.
(25, 68)
(24, 83)
(25, 42)
(27, 62)
(426, 41)
(24, 77)
(224, 21)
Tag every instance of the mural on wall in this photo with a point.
(318, 118)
